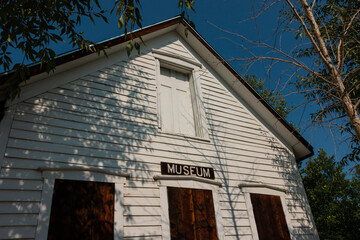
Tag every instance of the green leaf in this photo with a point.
(121, 22)
(97, 3)
(180, 4)
(137, 47)
(192, 24)
(105, 19)
(129, 48)
(92, 19)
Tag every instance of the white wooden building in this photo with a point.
(174, 133)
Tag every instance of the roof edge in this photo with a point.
(257, 95)
(76, 54)
(37, 68)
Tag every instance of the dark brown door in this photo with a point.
(269, 217)
(82, 210)
(191, 213)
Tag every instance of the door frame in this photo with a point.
(193, 183)
(265, 189)
(50, 174)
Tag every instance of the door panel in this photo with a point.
(82, 210)
(192, 214)
(269, 217)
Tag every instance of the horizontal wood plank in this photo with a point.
(27, 232)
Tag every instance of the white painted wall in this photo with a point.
(107, 118)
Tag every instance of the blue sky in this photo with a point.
(228, 15)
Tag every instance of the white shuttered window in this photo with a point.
(177, 111)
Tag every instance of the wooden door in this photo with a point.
(269, 217)
(191, 213)
(82, 210)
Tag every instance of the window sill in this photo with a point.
(188, 137)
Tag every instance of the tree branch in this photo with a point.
(285, 61)
(357, 104)
(323, 52)
(306, 29)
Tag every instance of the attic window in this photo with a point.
(180, 105)
(177, 112)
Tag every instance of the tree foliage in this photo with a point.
(32, 26)
(334, 198)
(324, 57)
(274, 98)
(334, 83)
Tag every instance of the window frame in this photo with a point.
(165, 181)
(265, 189)
(184, 65)
(50, 174)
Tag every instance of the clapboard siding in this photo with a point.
(219, 100)
(27, 232)
(140, 192)
(105, 80)
(19, 196)
(222, 98)
(83, 105)
(13, 173)
(22, 185)
(18, 154)
(63, 160)
(234, 214)
(47, 128)
(237, 231)
(118, 97)
(142, 221)
(69, 118)
(18, 219)
(19, 207)
(25, 139)
(131, 211)
(78, 125)
(108, 118)
(26, 129)
(140, 231)
(130, 110)
(85, 148)
(251, 163)
(216, 110)
(233, 196)
(145, 238)
(178, 49)
(243, 237)
(146, 172)
(142, 201)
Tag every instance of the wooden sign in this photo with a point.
(186, 170)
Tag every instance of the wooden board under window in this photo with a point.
(269, 217)
(82, 210)
(191, 213)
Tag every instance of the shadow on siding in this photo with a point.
(103, 120)
(296, 200)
